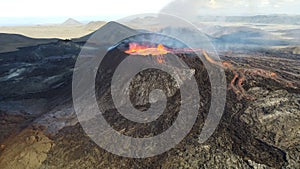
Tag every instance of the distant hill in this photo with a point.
(94, 25)
(247, 39)
(259, 19)
(296, 50)
(11, 42)
(13, 38)
(293, 34)
(67, 30)
(106, 35)
(224, 38)
(266, 19)
(71, 22)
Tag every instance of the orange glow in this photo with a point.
(157, 51)
(273, 74)
(160, 59)
(137, 49)
(160, 47)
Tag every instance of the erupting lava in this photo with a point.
(137, 49)
(144, 50)
(156, 50)
(240, 75)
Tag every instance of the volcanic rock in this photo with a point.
(39, 128)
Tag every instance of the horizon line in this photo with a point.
(54, 20)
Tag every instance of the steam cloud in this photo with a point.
(187, 8)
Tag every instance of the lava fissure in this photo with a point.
(239, 74)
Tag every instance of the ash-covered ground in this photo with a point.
(259, 128)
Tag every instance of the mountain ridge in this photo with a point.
(71, 22)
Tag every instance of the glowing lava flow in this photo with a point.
(136, 49)
(157, 51)
(240, 75)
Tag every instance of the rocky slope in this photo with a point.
(39, 128)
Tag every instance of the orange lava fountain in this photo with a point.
(157, 51)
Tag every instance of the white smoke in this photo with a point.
(213, 3)
(186, 8)
(190, 9)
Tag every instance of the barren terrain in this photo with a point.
(39, 128)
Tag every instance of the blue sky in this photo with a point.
(24, 12)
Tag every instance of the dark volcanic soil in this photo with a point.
(259, 133)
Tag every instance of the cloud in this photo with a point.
(193, 8)
(187, 8)
(213, 4)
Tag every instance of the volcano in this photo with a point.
(39, 127)
(141, 86)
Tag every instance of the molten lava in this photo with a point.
(240, 74)
(137, 49)
(144, 50)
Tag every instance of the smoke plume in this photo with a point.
(188, 8)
